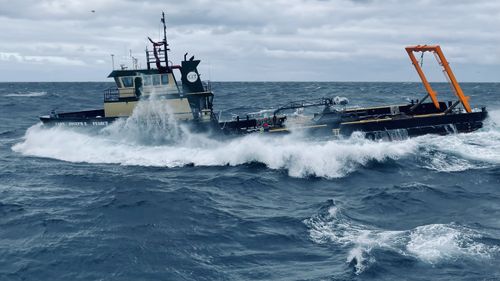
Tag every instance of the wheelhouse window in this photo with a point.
(118, 83)
(147, 80)
(164, 79)
(127, 81)
(156, 80)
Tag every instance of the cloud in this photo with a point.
(18, 58)
(240, 39)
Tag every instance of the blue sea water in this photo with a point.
(111, 205)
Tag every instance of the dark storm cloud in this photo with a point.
(251, 40)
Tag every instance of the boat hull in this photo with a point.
(86, 119)
(375, 123)
(392, 121)
(93, 119)
(440, 124)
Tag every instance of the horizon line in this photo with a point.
(261, 81)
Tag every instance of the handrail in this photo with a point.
(207, 85)
(305, 103)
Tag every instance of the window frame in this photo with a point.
(163, 78)
(128, 78)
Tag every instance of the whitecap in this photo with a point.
(27, 94)
(437, 242)
(301, 158)
(151, 137)
(442, 162)
(432, 243)
(482, 146)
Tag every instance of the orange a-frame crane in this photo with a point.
(436, 49)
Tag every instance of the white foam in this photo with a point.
(443, 162)
(300, 157)
(482, 146)
(27, 94)
(437, 242)
(460, 152)
(263, 112)
(151, 137)
(157, 144)
(339, 229)
(433, 243)
(494, 118)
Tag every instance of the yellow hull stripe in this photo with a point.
(390, 119)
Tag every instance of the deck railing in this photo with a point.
(207, 85)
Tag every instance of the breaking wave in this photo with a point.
(432, 243)
(151, 137)
(27, 94)
(300, 158)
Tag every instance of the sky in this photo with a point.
(251, 40)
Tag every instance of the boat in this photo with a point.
(190, 102)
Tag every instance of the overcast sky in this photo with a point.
(251, 40)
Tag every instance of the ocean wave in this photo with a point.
(300, 157)
(432, 243)
(461, 151)
(151, 137)
(27, 94)
(442, 162)
(127, 144)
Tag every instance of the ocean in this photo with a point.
(139, 204)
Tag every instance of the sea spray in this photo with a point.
(151, 123)
(301, 158)
(152, 137)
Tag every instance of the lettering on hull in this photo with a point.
(83, 123)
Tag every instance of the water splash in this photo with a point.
(391, 135)
(151, 122)
(301, 158)
(451, 129)
(152, 137)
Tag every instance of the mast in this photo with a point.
(165, 44)
(156, 52)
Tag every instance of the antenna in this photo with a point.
(210, 70)
(113, 61)
(134, 60)
(165, 49)
(131, 57)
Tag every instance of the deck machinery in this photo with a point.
(416, 118)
